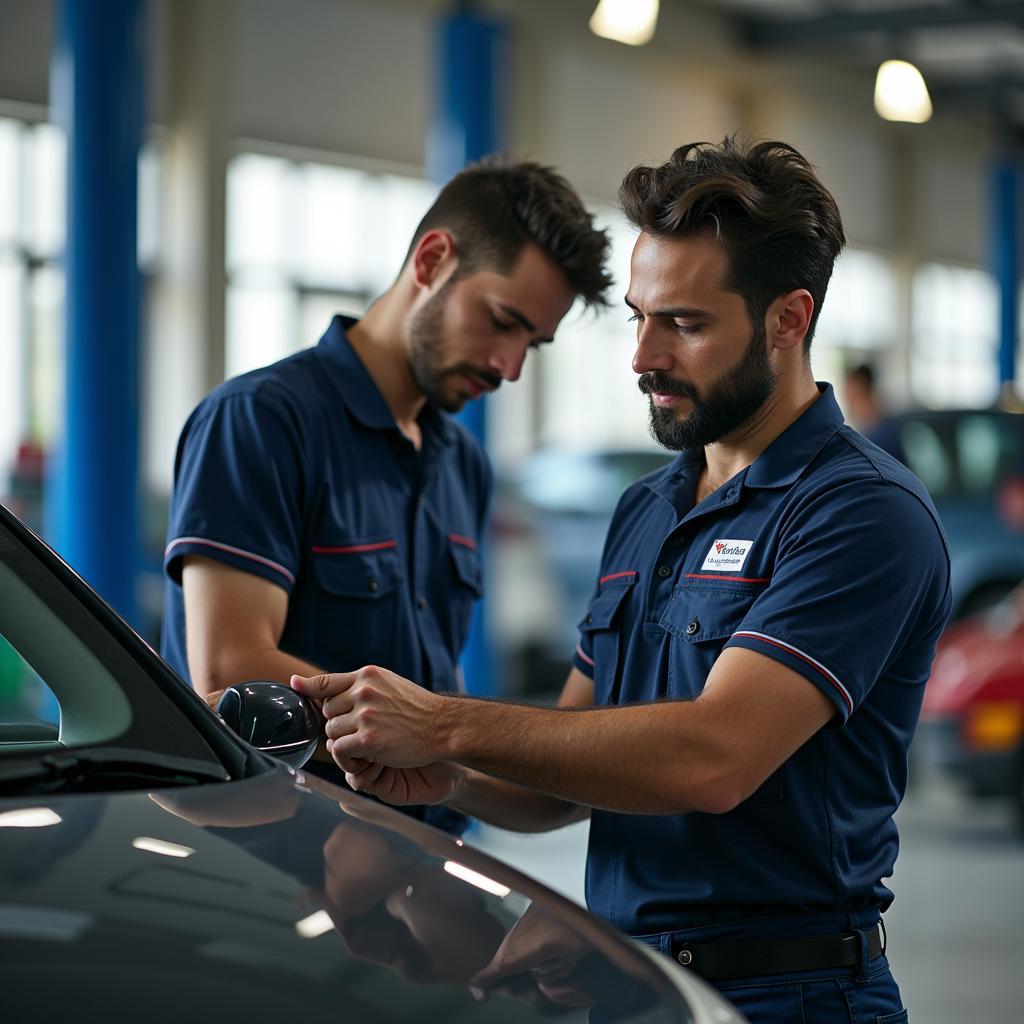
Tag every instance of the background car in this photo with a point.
(549, 524)
(972, 721)
(972, 462)
(153, 866)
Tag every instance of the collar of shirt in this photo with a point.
(779, 465)
(359, 391)
(786, 458)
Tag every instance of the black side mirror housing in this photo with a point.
(273, 718)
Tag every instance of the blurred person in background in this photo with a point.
(757, 646)
(867, 412)
(327, 509)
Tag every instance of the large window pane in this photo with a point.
(10, 179)
(955, 336)
(12, 411)
(258, 214)
(46, 155)
(860, 306)
(261, 325)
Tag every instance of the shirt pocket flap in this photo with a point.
(468, 565)
(358, 574)
(605, 604)
(699, 612)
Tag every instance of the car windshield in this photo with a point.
(70, 683)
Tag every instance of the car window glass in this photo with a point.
(24, 697)
(928, 457)
(93, 706)
(987, 449)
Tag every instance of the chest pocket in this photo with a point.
(359, 575)
(701, 616)
(355, 606)
(602, 624)
(467, 585)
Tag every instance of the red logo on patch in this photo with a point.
(718, 546)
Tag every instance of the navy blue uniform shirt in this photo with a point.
(298, 473)
(827, 555)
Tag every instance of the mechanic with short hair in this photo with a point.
(327, 511)
(758, 642)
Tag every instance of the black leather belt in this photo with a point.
(720, 961)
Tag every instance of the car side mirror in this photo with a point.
(273, 718)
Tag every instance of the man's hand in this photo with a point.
(382, 732)
(212, 699)
(428, 784)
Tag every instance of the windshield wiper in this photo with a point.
(103, 769)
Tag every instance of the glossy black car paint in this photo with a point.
(177, 874)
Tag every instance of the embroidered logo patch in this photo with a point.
(727, 555)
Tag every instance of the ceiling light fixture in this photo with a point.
(626, 21)
(900, 93)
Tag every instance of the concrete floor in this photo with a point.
(956, 930)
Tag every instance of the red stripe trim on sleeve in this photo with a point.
(466, 542)
(797, 653)
(734, 579)
(217, 545)
(616, 575)
(352, 549)
(583, 656)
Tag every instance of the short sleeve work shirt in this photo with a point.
(825, 554)
(298, 473)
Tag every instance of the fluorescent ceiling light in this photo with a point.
(29, 817)
(162, 847)
(475, 878)
(625, 21)
(900, 93)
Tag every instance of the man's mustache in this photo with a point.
(655, 382)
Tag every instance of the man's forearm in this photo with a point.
(513, 807)
(242, 666)
(582, 757)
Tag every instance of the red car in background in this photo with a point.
(972, 720)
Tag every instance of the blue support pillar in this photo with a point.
(97, 84)
(1006, 263)
(467, 126)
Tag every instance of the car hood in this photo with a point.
(282, 897)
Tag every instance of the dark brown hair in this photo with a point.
(494, 208)
(778, 223)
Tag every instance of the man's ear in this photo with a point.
(789, 318)
(433, 258)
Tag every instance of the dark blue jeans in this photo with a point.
(863, 994)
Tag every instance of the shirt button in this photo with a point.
(590, 619)
(421, 602)
(664, 571)
(692, 627)
(419, 499)
(373, 584)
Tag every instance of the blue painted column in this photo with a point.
(1006, 262)
(97, 83)
(468, 125)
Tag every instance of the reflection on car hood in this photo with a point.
(281, 896)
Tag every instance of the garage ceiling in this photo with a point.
(971, 52)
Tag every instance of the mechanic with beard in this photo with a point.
(327, 510)
(758, 642)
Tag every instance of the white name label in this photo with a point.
(727, 555)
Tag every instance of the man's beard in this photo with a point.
(730, 402)
(426, 358)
